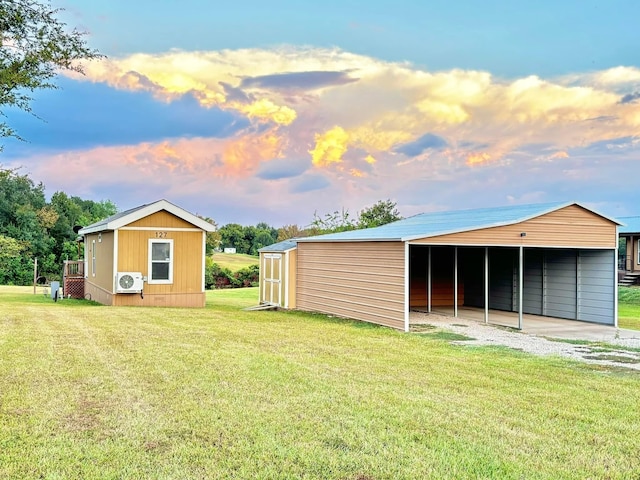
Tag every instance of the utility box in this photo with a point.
(55, 290)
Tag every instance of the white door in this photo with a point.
(272, 283)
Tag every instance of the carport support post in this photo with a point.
(615, 282)
(406, 286)
(455, 281)
(520, 289)
(429, 282)
(486, 284)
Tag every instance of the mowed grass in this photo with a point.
(629, 307)
(88, 391)
(234, 261)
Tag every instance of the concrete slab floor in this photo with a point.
(539, 325)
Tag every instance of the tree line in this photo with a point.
(32, 227)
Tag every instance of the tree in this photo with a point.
(213, 239)
(290, 231)
(380, 213)
(232, 235)
(34, 46)
(337, 221)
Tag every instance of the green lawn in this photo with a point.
(234, 261)
(629, 307)
(89, 391)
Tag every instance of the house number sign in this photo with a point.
(161, 234)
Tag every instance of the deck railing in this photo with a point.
(74, 268)
(624, 262)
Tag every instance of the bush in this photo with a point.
(248, 276)
(216, 276)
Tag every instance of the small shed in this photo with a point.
(151, 255)
(278, 263)
(548, 260)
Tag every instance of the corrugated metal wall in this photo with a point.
(502, 266)
(360, 280)
(596, 289)
(560, 283)
(533, 281)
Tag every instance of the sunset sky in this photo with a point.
(270, 111)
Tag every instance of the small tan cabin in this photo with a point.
(152, 255)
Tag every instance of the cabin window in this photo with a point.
(160, 261)
(638, 253)
(93, 258)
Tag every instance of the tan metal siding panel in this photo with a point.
(161, 219)
(360, 280)
(572, 226)
(97, 294)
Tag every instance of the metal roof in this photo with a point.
(129, 216)
(443, 223)
(629, 225)
(280, 246)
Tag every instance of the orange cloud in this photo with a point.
(477, 158)
(370, 160)
(244, 154)
(330, 147)
(357, 173)
(265, 109)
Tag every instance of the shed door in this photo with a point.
(272, 284)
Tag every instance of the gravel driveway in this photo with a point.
(615, 352)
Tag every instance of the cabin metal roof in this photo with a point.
(129, 216)
(433, 224)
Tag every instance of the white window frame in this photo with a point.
(93, 258)
(638, 251)
(150, 279)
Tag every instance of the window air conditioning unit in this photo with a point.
(129, 282)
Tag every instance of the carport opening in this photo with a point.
(574, 284)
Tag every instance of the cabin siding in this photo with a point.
(185, 300)
(160, 220)
(572, 226)
(133, 256)
(103, 276)
(360, 280)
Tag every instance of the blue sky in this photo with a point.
(271, 111)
